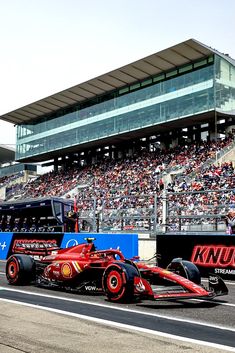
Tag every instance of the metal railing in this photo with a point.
(200, 211)
(197, 210)
(124, 213)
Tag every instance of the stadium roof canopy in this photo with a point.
(7, 154)
(167, 59)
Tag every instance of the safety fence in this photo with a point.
(124, 213)
(201, 211)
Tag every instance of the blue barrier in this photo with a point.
(127, 243)
(5, 242)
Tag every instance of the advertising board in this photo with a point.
(212, 253)
(12, 242)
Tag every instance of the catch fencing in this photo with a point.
(199, 211)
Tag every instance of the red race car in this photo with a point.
(82, 268)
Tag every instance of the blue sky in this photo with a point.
(51, 45)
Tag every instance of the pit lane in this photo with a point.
(212, 321)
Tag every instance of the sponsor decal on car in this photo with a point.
(66, 270)
(56, 273)
(213, 280)
(90, 288)
(139, 285)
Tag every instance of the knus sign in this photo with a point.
(220, 258)
(211, 256)
(212, 253)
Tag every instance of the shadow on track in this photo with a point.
(176, 305)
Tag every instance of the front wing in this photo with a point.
(178, 287)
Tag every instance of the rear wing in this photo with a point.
(34, 247)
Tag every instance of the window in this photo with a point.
(135, 86)
(172, 73)
(123, 90)
(211, 59)
(146, 82)
(185, 68)
(200, 63)
(159, 78)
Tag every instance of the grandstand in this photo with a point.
(12, 174)
(119, 140)
(7, 154)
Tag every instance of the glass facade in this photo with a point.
(224, 85)
(16, 168)
(170, 96)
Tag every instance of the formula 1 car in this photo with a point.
(82, 268)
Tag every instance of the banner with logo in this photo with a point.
(5, 244)
(127, 243)
(211, 253)
(34, 242)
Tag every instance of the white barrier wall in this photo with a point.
(147, 247)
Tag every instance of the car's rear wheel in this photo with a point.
(20, 269)
(118, 282)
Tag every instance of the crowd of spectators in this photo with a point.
(6, 180)
(206, 198)
(128, 186)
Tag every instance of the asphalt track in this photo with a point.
(199, 326)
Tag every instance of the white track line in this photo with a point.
(214, 301)
(198, 300)
(117, 308)
(125, 326)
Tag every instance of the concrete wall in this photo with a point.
(228, 157)
(147, 248)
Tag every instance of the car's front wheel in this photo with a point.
(118, 282)
(185, 269)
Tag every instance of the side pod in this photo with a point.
(217, 285)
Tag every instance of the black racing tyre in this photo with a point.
(20, 269)
(185, 269)
(193, 273)
(118, 282)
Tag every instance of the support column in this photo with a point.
(56, 164)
